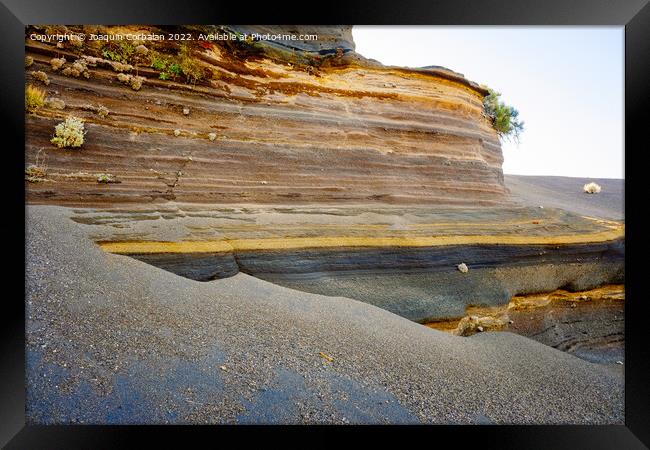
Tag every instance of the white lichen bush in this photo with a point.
(41, 76)
(69, 134)
(57, 63)
(77, 69)
(120, 67)
(591, 188)
(134, 81)
(212, 136)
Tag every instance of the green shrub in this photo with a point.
(158, 62)
(119, 52)
(167, 67)
(106, 178)
(190, 68)
(171, 66)
(69, 133)
(505, 119)
(174, 69)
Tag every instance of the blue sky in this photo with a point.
(566, 82)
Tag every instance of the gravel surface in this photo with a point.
(111, 339)
(566, 193)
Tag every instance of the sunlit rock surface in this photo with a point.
(339, 129)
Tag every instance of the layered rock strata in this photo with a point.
(588, 324)
(403, 260)
(341, 130)
(303, 164)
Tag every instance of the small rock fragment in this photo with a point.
(479, 328)
(212, 136)
(463, 267)
(141, 49)
(177, 132)
(186, 111)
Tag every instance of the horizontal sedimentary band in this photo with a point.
(419, 283)
(220, 246)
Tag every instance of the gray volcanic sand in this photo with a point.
(111, 339)
(566, 193)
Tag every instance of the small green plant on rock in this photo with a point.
(34, 98)
(505, 119)
(171, 67)
(106, 178)
(190, 68)
(69, 134)
(119, 52)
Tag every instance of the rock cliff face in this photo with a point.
(296, 122)
(301, 163)
(293, 177)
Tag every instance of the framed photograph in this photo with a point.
(414, 217)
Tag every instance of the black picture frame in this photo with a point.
(634, 15)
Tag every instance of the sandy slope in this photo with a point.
(566, 193)
(112, 339)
